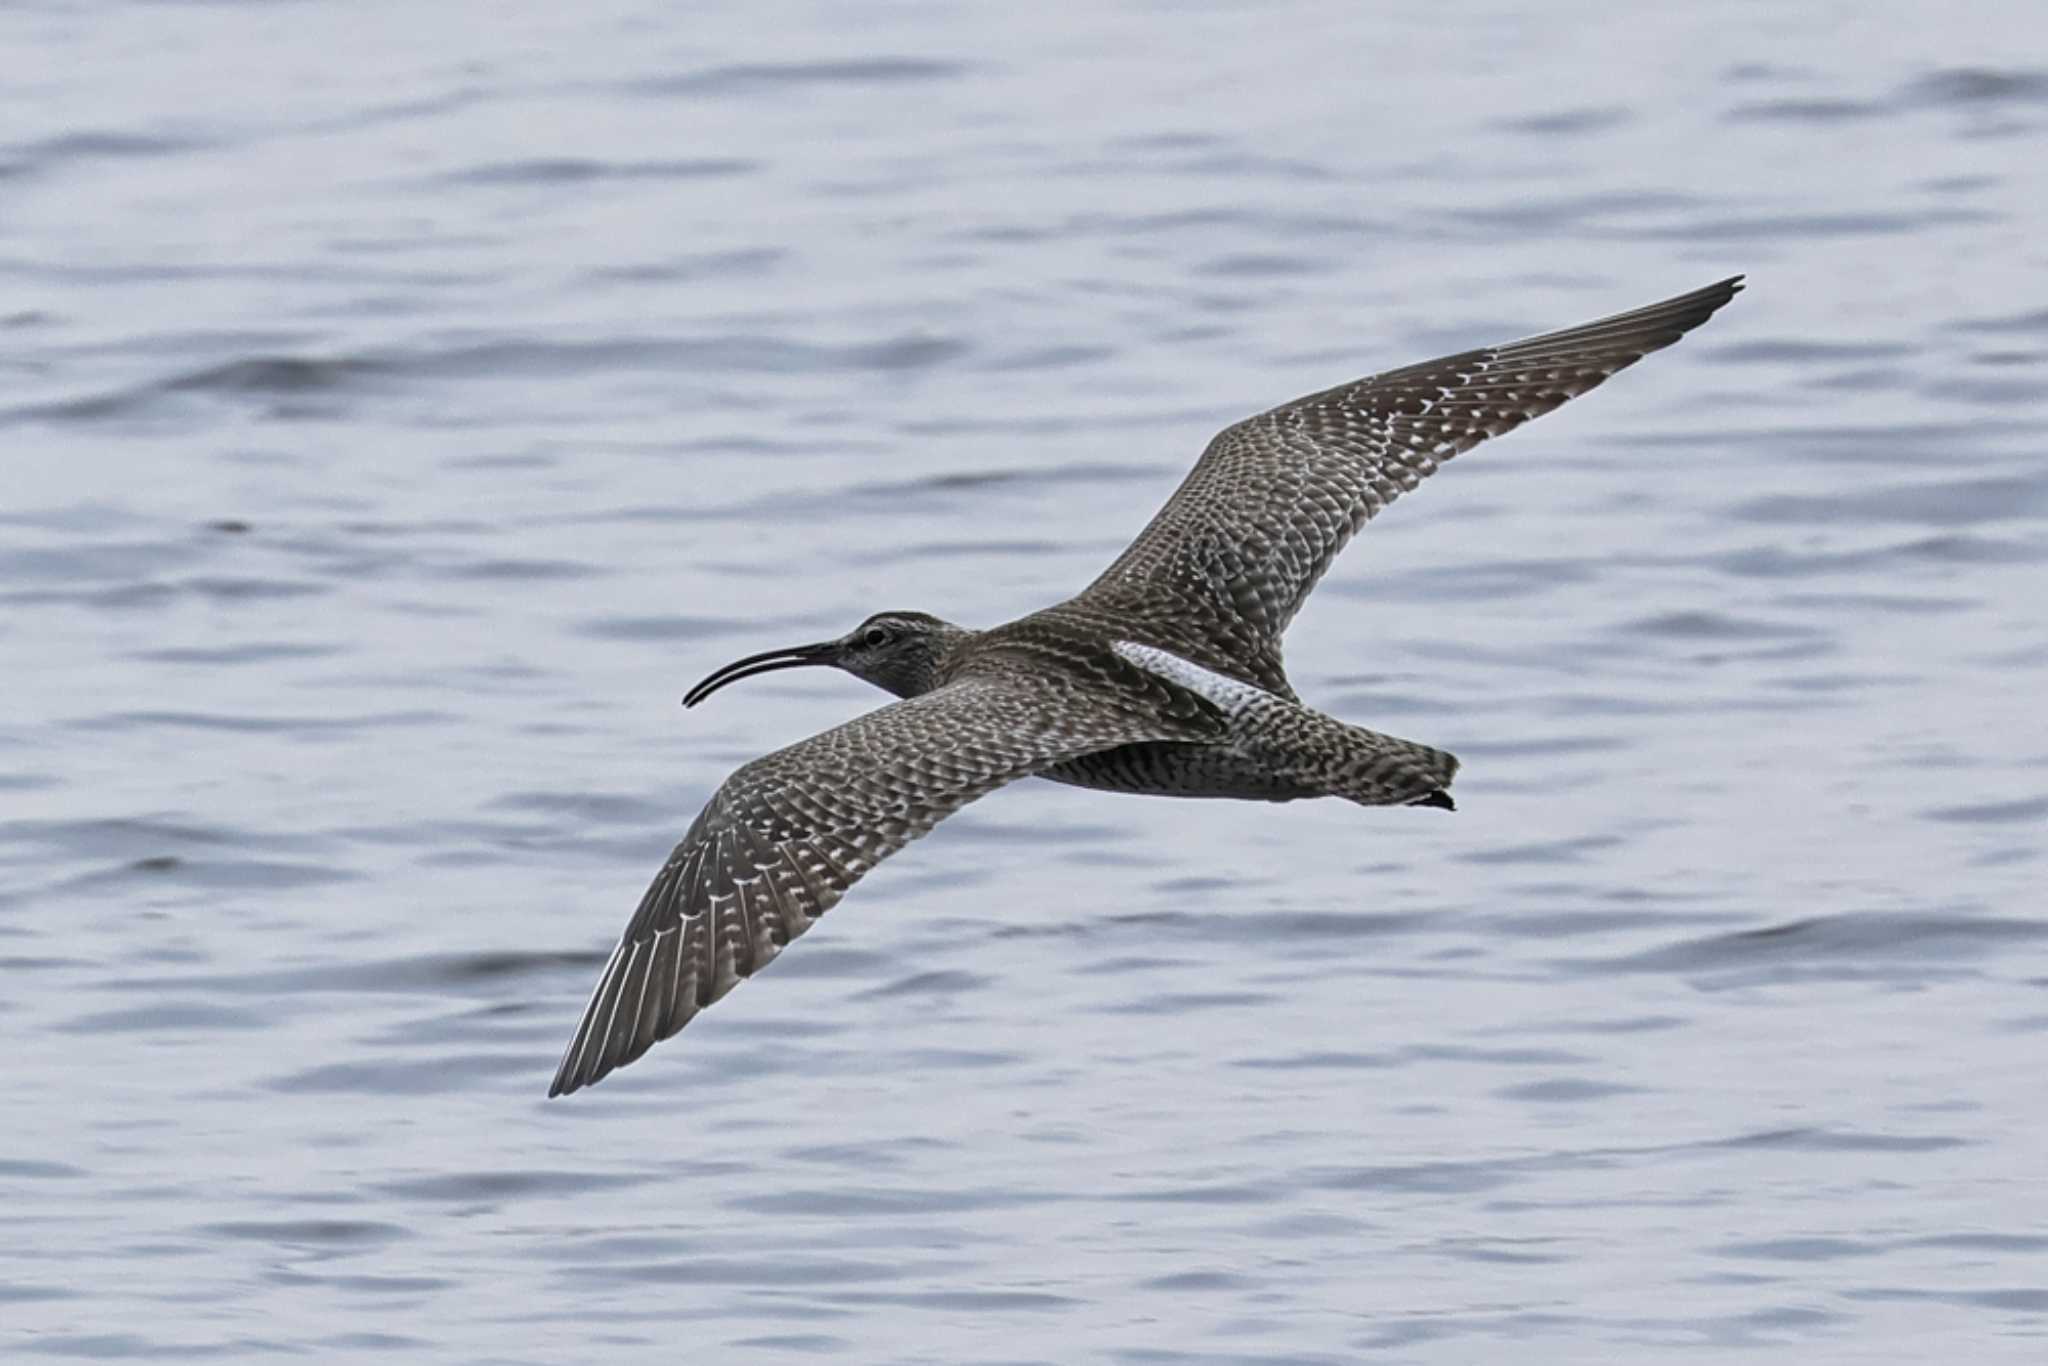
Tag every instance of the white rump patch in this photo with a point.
(1229, 694)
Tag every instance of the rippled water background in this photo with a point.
(401, 406)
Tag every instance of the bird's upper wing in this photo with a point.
(1275, 497)
(789, 833)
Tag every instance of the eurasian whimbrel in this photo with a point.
(1163, 676)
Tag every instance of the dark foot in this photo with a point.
(1437, 798)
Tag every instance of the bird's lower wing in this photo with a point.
(1275, 497)
(789, 833)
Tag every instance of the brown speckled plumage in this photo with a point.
(1164, 676)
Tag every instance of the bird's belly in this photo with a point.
(1171, 769)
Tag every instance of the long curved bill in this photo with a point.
(768, 661)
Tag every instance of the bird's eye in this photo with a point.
(874, 637)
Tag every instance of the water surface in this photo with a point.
(398, 412)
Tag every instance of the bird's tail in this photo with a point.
(1322, 754)
(1383, 770)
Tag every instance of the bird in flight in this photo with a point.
(1163, 676)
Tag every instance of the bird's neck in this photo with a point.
(949, 648)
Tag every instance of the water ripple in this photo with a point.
(385, 433)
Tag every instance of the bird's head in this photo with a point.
(899, 652)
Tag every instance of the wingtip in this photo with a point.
(1715, 295)
(1695, 308)
(578, 1072)
(569, 1082)
(1711, 297)
(575, 1071)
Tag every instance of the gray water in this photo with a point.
(401, 406)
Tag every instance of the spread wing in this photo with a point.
(789, 833)
(1275, 497)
